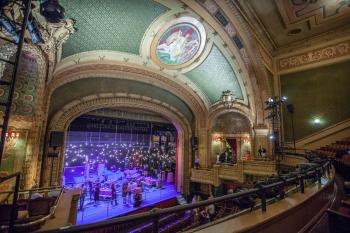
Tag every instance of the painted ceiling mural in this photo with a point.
(178, 42)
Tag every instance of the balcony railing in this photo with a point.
(124, 224)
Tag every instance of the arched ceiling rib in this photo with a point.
(90, 86)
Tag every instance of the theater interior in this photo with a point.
(167, 116)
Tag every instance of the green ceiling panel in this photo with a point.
(90, 86)
(215, 75)
(116, 25)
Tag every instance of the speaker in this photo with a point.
(56, 139)
(194, 141)
(290, 108)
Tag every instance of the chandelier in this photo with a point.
(227, 98)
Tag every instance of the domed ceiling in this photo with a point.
(162, 35)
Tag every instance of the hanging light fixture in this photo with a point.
(227, 98)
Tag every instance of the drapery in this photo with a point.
(233, 144)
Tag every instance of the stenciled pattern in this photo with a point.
(119, 28)
(24, 97)
(215, 75)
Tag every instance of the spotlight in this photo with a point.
(272, 137)
(51, 10)
(317, 121)
(284, 98)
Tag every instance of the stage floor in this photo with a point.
(105, 210)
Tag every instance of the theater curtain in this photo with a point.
(233, 144)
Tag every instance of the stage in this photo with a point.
(105, 209)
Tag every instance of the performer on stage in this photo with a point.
(91, 189)
(82, 197)
(124, 192)
(129, 193)
(97, 193)
(114, 194)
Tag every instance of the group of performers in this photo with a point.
(130, 185)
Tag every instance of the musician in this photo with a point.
(82, 197)
(124, 192)
(129, 189)
(91, 189)
(114, 194)
(137, 199)
(97, 193)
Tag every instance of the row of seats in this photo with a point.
(28, 211)
(163, 222)
(336, 150)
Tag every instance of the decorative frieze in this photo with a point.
(317, 55)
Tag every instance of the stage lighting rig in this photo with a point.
(51, 10)
(274, 106)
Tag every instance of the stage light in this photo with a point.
(284, 98)
(272, 137)
(51, 10)
(317, 121)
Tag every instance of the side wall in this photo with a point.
(321, 92)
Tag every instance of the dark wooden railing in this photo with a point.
(154, 215)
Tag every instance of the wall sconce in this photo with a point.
(11, 139)
(12, 136)
(218, 138)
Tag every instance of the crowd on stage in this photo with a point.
(126, 170)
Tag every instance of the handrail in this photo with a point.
(156, 213)
(56, 203)
(35, 189)
(4, 178)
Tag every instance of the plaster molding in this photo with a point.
(123, 70)
(239, 56)
(130, 60)
(326, 54)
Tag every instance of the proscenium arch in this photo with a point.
(124, 70)
(62, 119)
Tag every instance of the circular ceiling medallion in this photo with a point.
(178, 43)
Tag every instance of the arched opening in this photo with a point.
(62, 119)
(231, 135)
(109, 149)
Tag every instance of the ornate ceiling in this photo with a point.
(109, 24)
(284, 23)
(134, 29)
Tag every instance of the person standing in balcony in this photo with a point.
(196, 162)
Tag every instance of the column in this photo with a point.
(203, 148)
